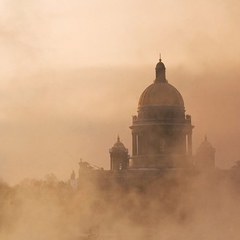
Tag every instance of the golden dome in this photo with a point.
(161, 94)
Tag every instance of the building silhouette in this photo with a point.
(205, 155)
(119, 158)
(161, 138)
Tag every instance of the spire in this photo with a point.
(160, 72)
(205, 138)
(118, 138)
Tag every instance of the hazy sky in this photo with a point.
(72, 72)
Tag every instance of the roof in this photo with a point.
(205, 146)
(118, 146)
(161, 93)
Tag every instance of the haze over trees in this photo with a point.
(180, 205)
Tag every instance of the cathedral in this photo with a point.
(161, 137)
(161, 132)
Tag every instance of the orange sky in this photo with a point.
(72, 72)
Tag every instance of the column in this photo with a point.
(190, 144)
(134, 152)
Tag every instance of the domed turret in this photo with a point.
(205, 156)
(118, 146)
(118, 156)
(159, 130)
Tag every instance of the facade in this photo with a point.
(161, 132)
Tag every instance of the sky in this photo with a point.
(72, 73)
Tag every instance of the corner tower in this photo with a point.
(119, 158)
(161, 132)
(205, 156)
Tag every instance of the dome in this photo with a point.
(118, 146)
(206, 146)
(161, 94)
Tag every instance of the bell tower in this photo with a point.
(119, 158)
(205, 156)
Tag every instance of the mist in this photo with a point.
(52, 120)
(182, 205)
(70, 80)
(73, 74)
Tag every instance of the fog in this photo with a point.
(49, 123)
(72, 74)
(179, 205)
